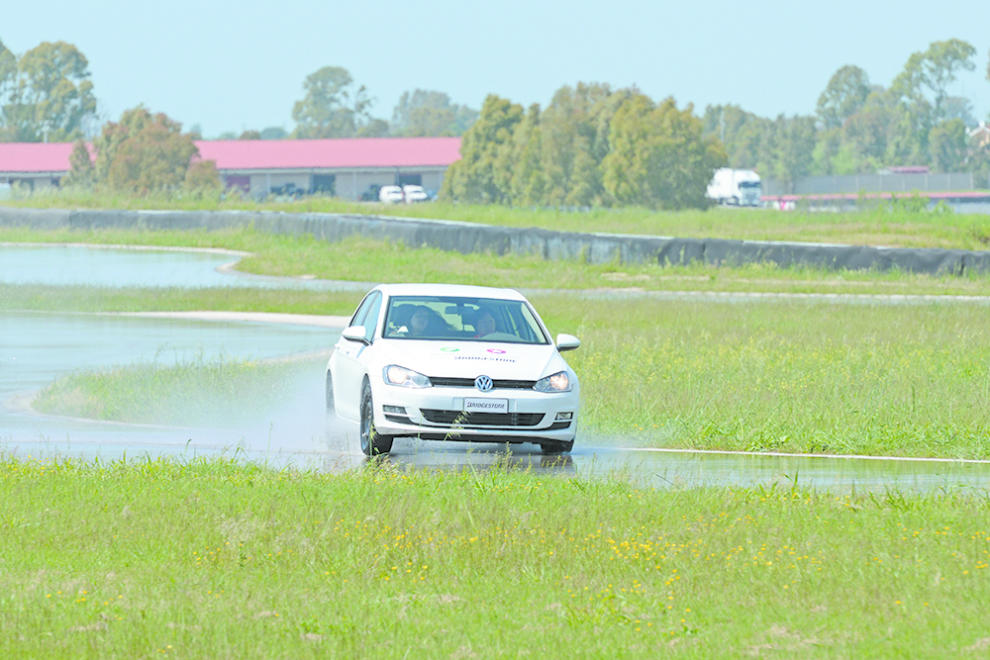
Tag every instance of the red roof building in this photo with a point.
(348, 168)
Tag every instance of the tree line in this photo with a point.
(590, 146)
(860, 126)
(46, 95)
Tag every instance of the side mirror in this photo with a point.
(354, 333)
(567, 342)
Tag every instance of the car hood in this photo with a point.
(472, 359)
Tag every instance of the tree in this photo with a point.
(743, 134)
(475, 177)
(659, 156)
(948, 145)
(202, 177)
(332, 106)
(374, 128)
(927, 75)
(844, 96)
(427, 113)
(8, 76)
(249, 134)
(143, 153)
(574, 129)
(274, 133)
(958, 107)
(50, 97)
(81, 171)
(865, 135)
(527, 182)
(795, 139)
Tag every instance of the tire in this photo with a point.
(372, 442)
(563, 447)
(331, 409)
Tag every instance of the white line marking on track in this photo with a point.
(858, 457)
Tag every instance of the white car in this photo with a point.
(452, 362)
(390, 194)
(414, 194)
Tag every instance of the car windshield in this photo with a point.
(462, 319)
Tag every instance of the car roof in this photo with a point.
(455, 290)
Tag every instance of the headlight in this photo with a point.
(558, 382)
(396, 375)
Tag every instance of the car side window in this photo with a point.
(370, 320)
(362, 310)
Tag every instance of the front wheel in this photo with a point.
(331, 409)
(372, 442)
(561, 447)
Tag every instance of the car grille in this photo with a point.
(469, 382)
(449, 417)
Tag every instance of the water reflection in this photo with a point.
(498, 457)
(594, 458)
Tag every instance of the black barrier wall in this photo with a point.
(470, 237)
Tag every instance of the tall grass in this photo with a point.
(882, 224)
(911, 381)
(213, 559)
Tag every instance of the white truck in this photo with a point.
(735, 187)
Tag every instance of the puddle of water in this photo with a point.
(35, 348)
(65, 265)
(674, 470)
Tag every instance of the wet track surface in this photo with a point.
(36, 348)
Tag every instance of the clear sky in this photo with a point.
(230, 66)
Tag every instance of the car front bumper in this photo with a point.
(438, 413)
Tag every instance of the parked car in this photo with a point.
(390, 194)
(452, 362)
(371, 194)
(414, 194)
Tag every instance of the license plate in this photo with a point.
(486, 405)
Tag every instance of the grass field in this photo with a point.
(363, 259)
(214, 559)
(802, 377)
(220, 559)
(909, 380)
(137, 299)
(897, 224)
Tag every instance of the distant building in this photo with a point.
(980, 136)
(347, 168)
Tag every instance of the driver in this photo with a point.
(484, 325)
(420, 320)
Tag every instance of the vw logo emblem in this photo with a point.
(484, 383)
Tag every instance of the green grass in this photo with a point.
(214, 559)
(806, 377)
(845, 379)
(885, 224)
(138, 299)
(796, 377)
(217, 559)
(364, 259)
